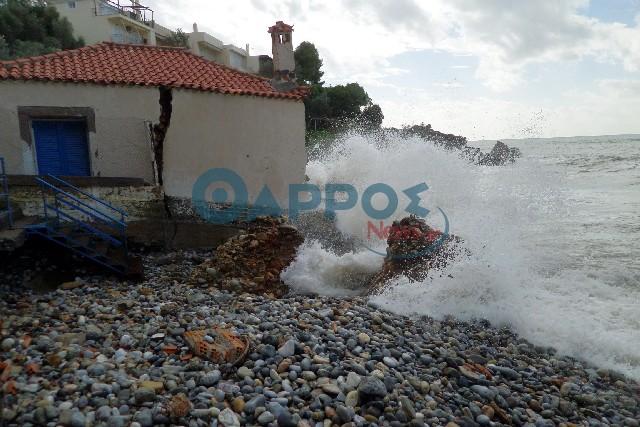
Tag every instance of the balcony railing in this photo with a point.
(133, 10)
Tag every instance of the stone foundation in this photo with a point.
(149, 223)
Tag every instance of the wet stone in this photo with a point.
(312, 360)
(8, 344)
(144, 394)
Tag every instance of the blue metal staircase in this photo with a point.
(84, 224)
(6, 214)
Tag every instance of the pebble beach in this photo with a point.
(111, 353)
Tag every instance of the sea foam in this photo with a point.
(523, 273)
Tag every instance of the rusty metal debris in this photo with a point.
(415, 249)
(218, 345)
(475, 371)
(179, 406)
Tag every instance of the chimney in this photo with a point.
(284, 64)
(195, 27)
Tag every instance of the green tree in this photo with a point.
(178, 38)
(317, 108)
(31, 27)
(265, 66)
(347, 101)
(372, 116)
(308, 64)
(4, 49)
(332, 107)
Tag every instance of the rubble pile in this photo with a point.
(252, 261)
(501, 154)
(413, 250)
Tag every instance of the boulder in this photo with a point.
(500, 155)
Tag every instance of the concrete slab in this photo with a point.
(179, 234)
(13, 238)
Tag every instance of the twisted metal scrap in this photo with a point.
(227, 345)
(411, 253)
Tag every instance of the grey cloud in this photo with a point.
(259, 4)
(291, 9)
(621, 88)
(393, 14)
(525, 29)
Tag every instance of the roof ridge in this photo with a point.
(128, 64)
(188, 52)
(35, 58)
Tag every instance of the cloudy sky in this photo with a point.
(480, 68)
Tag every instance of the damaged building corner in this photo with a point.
(159, 131)
(158, 135)
(149, 153)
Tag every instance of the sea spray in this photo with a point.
(521, 273)
(334, 274)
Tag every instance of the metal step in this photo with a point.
(81, 241)
(80, 227)
(102, 248)
(61, 239)
(118, 258)
(115, 259)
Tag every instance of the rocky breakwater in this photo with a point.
(500, 154)
(111, 353)
(415, 249)
(252, 261)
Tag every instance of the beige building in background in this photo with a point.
(128, 21)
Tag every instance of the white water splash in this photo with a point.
(524, 271)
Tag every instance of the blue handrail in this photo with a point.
(106, 221)
(103, 216)
(84, 193)
(89, 228)
(72, 220)
(65, 204)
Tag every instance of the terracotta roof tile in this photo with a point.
(120, 64)
(280, 27)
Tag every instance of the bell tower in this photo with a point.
(284, 64)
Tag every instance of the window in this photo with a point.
(237, 61)
(117, 34)
(284, 38)
(71, 4)
(106, 9)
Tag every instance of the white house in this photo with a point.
(160, 114)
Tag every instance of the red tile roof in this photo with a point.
(121, 64)
(280, 27)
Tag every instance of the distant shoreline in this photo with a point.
(622, 135)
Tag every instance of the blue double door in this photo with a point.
(61, 147)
